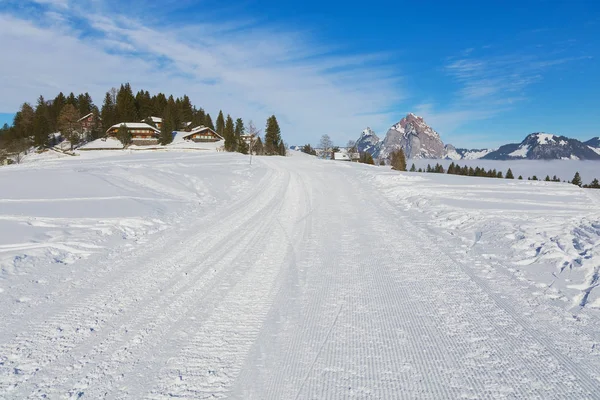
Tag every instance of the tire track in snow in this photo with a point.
(534, 344)
(209, 364)
(53, 338)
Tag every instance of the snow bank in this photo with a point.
(103, 144)
(544, 233)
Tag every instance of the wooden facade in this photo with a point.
(141, 134)
(203, 134)
(87, 122)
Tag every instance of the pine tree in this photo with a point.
(534, 178)
(239, 127)
(144, 104)
(159, 103)
(413, 168)
(420, 170)
(208, 122)
(199, 118)
(221, 124)
(547, 178)
(109, 111)
(72, 100)
(272, 137)
(509, 174)
(126, 109)
(84, 104)
(428, 168)
(41, 124)
(187, 113)
(169, 122)
(366, 158)
(242, 146)
(123, 135)
(520, 178)
(576, 179)
(282, 149)
(499, 175)
(55, 108)
(229, 134)
(595, 184)
(258, 148)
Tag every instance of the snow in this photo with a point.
(103, 143)
(545, 138)
(161, 274)
(520, 152)
(134, 125)
(597, 150)
(474, 155)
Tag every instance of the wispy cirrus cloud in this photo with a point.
(249, 70)
(488, 85)
(500, 79)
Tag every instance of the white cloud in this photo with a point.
(248, 71)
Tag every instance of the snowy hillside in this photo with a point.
(193, 274)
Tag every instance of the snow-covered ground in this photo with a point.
(158, 274)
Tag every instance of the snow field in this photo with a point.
(295, 278)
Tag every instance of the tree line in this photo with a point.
(33, 125)
(455, 169)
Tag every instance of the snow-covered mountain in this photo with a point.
(452, 153)
(415, 137)
(545, 146)
(368, 142)
(594, 144)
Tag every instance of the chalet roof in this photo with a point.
(154, 119)
(202, 128)
(134, 125)
(87, 115)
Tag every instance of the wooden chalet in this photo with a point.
(202, 134)
(142, 134)
(155, 120)
(87, 122)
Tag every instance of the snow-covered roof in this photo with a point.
(134, 125)
(202, 128)
(84, 117)
(154, 119)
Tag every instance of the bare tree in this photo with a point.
(254, 137)
(351, 149)
(18, 149)
(326, 145)
(69, 125)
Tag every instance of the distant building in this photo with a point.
(142, 134)
(203, 134)
(88, 122)
(341, 156)
(248, 138)
(155, 120)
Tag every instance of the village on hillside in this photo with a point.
(125, 121)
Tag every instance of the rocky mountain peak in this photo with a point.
(415, 137)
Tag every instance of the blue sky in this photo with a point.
(482, 73)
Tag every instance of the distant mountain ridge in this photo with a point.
(419, 140)
(545, 146)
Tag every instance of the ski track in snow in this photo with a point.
(295, 278)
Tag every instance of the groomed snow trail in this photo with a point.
(310, 285)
